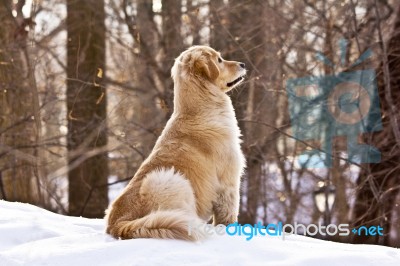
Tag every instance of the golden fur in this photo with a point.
(193, 172)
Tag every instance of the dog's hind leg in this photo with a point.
(172, 210)
(166, 189)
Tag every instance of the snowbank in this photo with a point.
(33, 236)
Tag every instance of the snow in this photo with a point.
(33, 236)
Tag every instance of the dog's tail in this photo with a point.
(173, 224)
(169, 196)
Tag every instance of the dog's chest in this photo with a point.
(229, 154)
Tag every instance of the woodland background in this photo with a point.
(85, 90)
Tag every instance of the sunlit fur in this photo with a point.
(193, 172)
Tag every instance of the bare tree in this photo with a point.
(173, 45)
(86, 108)
(379, 183)
(19, 115)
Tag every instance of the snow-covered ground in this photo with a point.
(33, 236)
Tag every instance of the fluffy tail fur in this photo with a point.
(170, 198)
(173, 224)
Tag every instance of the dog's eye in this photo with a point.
(219, 60)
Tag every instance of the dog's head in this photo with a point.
(206, 65)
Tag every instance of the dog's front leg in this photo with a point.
(226, 206)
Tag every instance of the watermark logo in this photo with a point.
(342, 104)
(283, 230)
(368, 231)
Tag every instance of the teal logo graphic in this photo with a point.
(342, 104)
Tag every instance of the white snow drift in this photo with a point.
(33, 236)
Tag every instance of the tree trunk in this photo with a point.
(18, 130)
(379, 183)
(219, 36)
(86, 108)
(173, 46)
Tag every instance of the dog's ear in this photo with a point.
(207, 67)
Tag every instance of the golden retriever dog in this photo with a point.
(194, 170)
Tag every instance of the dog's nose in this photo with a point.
(242, 65)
